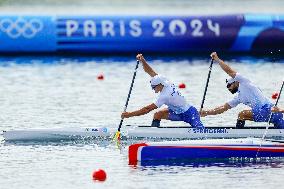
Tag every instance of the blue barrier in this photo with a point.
(229, 33)
(28, 34)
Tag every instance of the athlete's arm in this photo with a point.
(146, 66)
(223, 65)
(139, 112)
(276, 109)
(215, 111)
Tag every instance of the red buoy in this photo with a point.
(99, 175)
(274, 96)
(100, 77)
(181, 86)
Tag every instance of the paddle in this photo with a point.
(206, 86)
(278, 96)
(270, 116)
(117, 134)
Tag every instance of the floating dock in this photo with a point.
(154, 153)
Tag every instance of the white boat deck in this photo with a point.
(140, 132)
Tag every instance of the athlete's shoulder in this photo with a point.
(242, 79)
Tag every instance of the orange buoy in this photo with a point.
(99, 175)
(182, 86)
(100, 77)
(274, 96)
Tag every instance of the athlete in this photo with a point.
(177, 107)
(276, 109)
(248, 94)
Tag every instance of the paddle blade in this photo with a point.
(117, 136)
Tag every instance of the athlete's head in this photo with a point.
(232, 85)
(158, 82)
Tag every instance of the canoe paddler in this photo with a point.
(249, 94)
(177, 107)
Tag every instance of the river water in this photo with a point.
(58, 91)
(48, 92)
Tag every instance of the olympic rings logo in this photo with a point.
(20, 27)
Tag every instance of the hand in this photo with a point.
(214, 56)
(203, 113)
(275, 109)
(140, 57)
(125, 115)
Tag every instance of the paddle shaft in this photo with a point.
(276, 101)
(207, 82)
(270, 116)
(129, 93)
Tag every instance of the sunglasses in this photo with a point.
(229, 85)
(153, 87)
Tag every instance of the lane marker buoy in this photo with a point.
(100, 77)
(182, 86)
(99, 175)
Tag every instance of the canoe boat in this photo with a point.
(138, 132)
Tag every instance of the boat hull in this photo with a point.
(138, 132)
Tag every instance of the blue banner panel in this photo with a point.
(100, 34)
(148, 33)
(27, 34)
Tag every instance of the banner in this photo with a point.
(161, 34)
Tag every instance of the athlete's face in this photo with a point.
(233, 87)
(157, 88)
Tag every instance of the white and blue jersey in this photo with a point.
(171, 97)
(179, 109)
(252, 96)
(248, 94)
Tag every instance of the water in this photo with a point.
(48, 92)
(64, 91)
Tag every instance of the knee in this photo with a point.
(242, 115)
(158, 115)
(245, 115)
